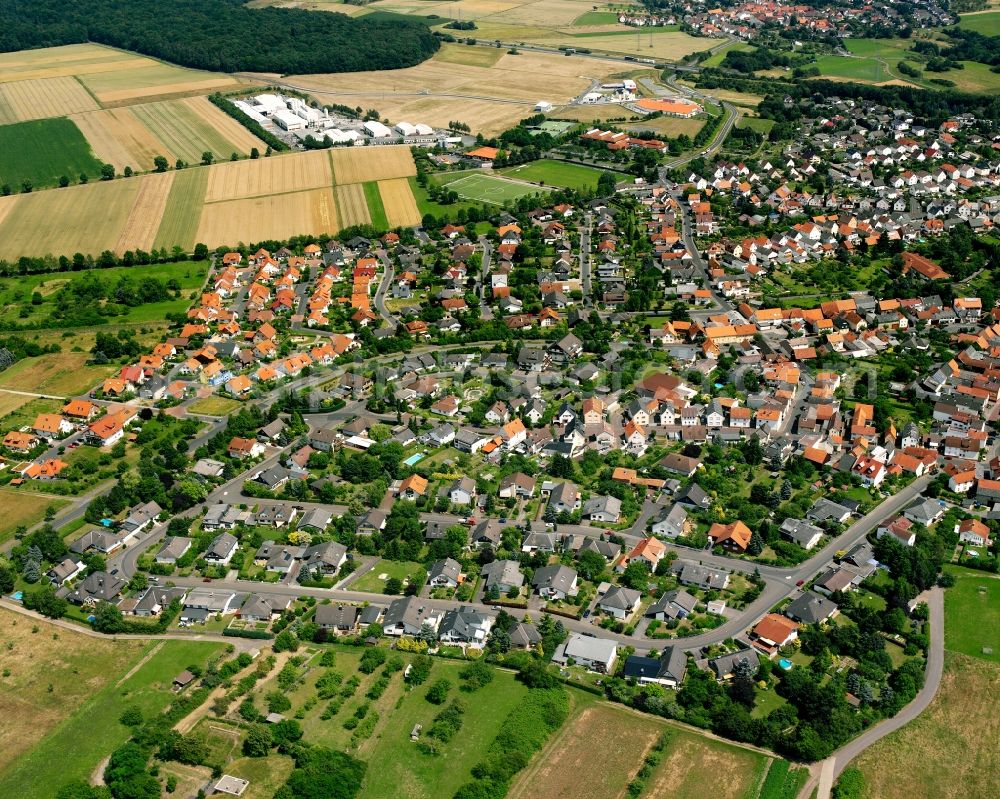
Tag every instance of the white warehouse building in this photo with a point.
(377, 130)
(406, 129)
(269, 103)
(288, 120)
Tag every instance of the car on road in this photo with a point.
(206, 579)
(800, 583)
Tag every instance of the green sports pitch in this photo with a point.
(492, 189)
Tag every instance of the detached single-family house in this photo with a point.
(619, 602)
(445, 573)
(555, 581)
(595, 654)
(667, 670)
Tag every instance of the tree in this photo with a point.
(590, 565)
(635, 576)
(107, 618)
(6, 579)
(393, 586)
(438, 692)
(160, 164)
(107, 171)
(254, 153)
(207, 157)
(63, 181)
(258, 741)
(131, 716)
(286, 642)
(46, 602)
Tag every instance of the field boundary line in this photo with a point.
(142, 662)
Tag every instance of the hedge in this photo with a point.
(237, 633)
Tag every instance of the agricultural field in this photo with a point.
(40, 98)
(490, 188)
(692, 766)
(358, 165)
(984, 22)
(468, 56)
(595, 113)
(266, 177)
(42, 151)
(109, 76)
(555, 173)
(488, 98)
(85, 732)
(949, 751)
(144, 219)
(18, 508)
(85, 219)
(270, 217)
(373, 202)
(352, 205)
(228, 202)
(79, 665)
(972, 614)
(397, 200)
(179, 223)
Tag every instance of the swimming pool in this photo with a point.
(414, 459)
(785, 663)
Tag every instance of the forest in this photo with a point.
(220, 35)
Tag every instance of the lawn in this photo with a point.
(27, 412)
(62, 373)
(717, 59)
(596, 18)
(972, 614)
(427, 206)
(22, 508)
(863, 69)
(214, 406)
(44, 150)
(375, 207)
(950, 750)
(90, 731)
(756, 123)
(555, 173)
(490, 188)
(374, 582)
(987, 23)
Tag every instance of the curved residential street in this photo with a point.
(826, 773)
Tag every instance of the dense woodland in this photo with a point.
(221, 35)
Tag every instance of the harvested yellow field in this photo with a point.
(6, 206)
(147, 212)
(118, 138)
(274, 217)
(397, 199)
(87, 219)
(263, 176)
(666, 45)
(361, 164)
(489, 99)
(41, 98)
(352, 209)
(545, 13)
(243, 140)
(594, 113)
(73, 59)
(123, 96)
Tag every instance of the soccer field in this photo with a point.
(491, 189)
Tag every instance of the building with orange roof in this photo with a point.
(20, 442)
(46, 470)
(735, 536)
(412, 487)
(483, 154)
(649, 551)
(50, 425)
(675, 107)
(773, 632)
(80, 409)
